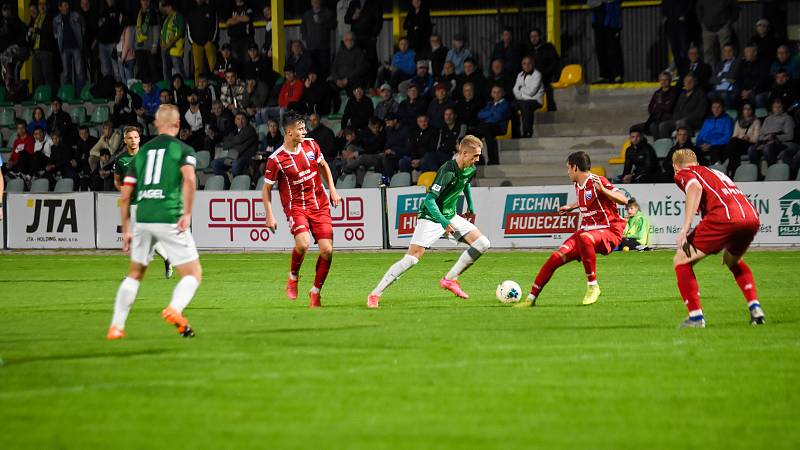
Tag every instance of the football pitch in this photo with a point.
(426, 371)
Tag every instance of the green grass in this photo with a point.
(425, 371)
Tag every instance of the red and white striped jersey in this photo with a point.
(598, 211)
(721, 201)
(297, 174)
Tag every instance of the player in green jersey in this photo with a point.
(161, 181)
(437, 217)
(132, 136)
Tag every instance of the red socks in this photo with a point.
(744, 278)
(550, 266)
(588, 257)
(323, 267)
(297, 261)
(687, 284)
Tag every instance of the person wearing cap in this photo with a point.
(441, 101)
(240, 29)
(299, 59)
(402, 66)
(358, 110)
(202, 28)
(412, 107)
(458, 53)
(716, 18)
(387, 105)
(173, 39)
(316, 27)
(226, 62)
(423, 80)
(766, 41)
(146, 34)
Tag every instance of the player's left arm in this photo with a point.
(693, 194)
(326, 172)
(188, 191)
(468, 198)
(124, 207)
(609, 191)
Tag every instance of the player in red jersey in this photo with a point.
(297, 167)
(600, 230)
(729, 223)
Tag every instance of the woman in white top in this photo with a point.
(745, 134)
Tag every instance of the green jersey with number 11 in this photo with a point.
(450, 182)
(155, 175)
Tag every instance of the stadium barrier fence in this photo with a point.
(511, 217)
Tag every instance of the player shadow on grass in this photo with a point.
(79, 356)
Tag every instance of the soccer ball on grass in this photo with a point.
(508, 292)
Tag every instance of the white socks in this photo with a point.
(184, 292)
(126, 295)
(394, 272)
(469, 256)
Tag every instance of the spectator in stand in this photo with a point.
(109, 31)
(240, 29)
(402, 66)
(242, 145)
(323, 135)
(745, 134)
(641, 162)
(437, 55)
(61, 122)
(775, 135)
(697, 67)
(398, 144)
(528, 93)
(661, 104)
(13, 48)
(196, 121)
(202, 28)
(349, 69)
(179, 92)
(20, 163)
(173, 32)
(291, 92)
(63, 161)
(221, 118)
(299, 59)
(786, 62)
(499, 77)
(387, 105)
(467, 108)
(365, 18)
(267, 49)
(449, 77)
(150, 98)
(256, 93)
(109, 141)
(43, 45)
(677, 15)
(83, 148)
(42, 149)
(358, 110)
(547, 62)
(91, 19)
(126, 57)
(438, 105)
(423, 141)
(372, 143)
(690, 109)
(508, 51)
(232, 91)
(459, 53)
(752, 80)
(68, 28)
(273, 140)
(494, 122)
(206, 93)
(473, 75)
(316, 28)
(450, 134)
(125, 103)
(165, 97)
(102, 178)
(418, 27)
(683, 140)
(766, 41)
(714, 135)
(317, 94)
(226, 62)
(785, 90)
(423, 80)
(777, 13)
(412, 107)
(258, 67)
(717, 18)
(147, 34)
(607, 25)
(723, 82)
(38, 120)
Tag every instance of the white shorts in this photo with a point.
(178, 246)
(428, 232)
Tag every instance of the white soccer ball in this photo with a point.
(508, 292)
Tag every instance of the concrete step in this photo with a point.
(579, 114)
(565, 144)
(587, 129)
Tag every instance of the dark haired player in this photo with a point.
(297, 167)
(600, 230)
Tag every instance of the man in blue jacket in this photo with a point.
(494, 122)
(715, 133)
(402, 67)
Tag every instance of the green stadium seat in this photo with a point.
(189, 83)
(400, 179)
(215, 183)
(746, 172)
(260, 184)
(86, 93)
(203, 160)
(15, 185)
(338, 114)
(65, 185)
(42, 94)
(27, 113)
(163, 84)
(67, 94)
(7, 118)
(100, 115)
(78, 114)
(761, 113)
(777, 172)
(372, 180)
(240, 183)
(40, 185)
(346, 182)
(137, 88)
(662, 147)
(3, 100)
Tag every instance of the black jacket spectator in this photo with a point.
(477, 79)
(696, 66)
(418, 28)
(62, 122)
(202, 23)
(467, 111)
(369, 22)
(350, 63)
(316, 28)
(785, 89)
(259, 68)
(300, 60)
(325, 139)
(222, 119)
(424, 141)
(357, 113)
(691, 107)
(499, 77)
(397, 139)
(510, 53)
(110, 28)
(641, 163)
(244, 142)
(371, 143)
(753, 76)
(436, 109)
(448, 137)
(662, 103)
(437, 56)
(410, 109)
(545, 59)
(317, 95)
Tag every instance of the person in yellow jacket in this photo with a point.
(173, 40)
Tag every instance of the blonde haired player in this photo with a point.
(161, 178)
(437, 217)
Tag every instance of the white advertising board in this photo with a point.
(109, 229)
(46, 221)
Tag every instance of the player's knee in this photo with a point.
(678, 259)
(326, 251)
(482, 244)
(558, 257)
(586, 239)
(301, 247)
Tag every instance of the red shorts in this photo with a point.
(605, 240)
(712, 237)
(318, 223)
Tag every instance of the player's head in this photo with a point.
(469, 151)
(683, 158)
(168, 120)
(294, 127)
(132, 137)
(577, 163)
(632, 207)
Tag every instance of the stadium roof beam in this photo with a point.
(278, 36)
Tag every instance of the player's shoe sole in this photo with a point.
(314, 300)
(373, 301)
(181, 323)
(454, 287)
(592, 294)
(525, 303)
(114, 333)
(168, 269)
(291, 288)
(757, 316)
(689, 323)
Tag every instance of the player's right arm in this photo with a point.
(567, 208)
(443, 178)
(270, 177)
(188, 190)
(694, 193)
(126, 192)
